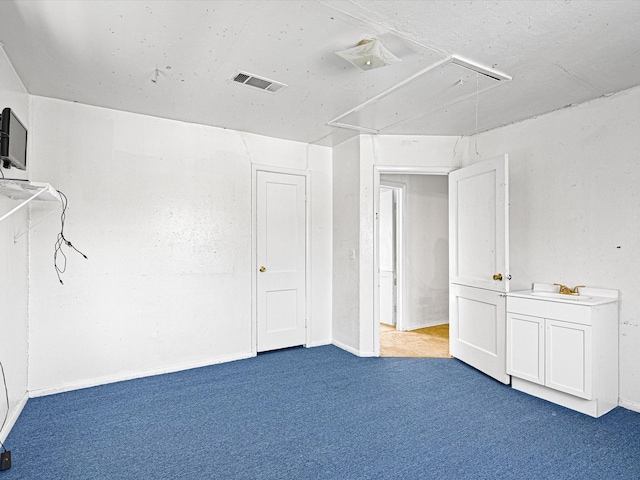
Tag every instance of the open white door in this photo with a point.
(387, 262)
(281, 260)
(479, 265)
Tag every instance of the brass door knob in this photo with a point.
(497, 276)
(263, 269)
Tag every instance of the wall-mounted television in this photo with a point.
(13, 141)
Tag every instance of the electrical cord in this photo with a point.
(61, 241)
(6, 392)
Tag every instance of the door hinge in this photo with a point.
(395, 282)
(395, 309)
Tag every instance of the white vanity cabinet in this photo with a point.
(565, 350)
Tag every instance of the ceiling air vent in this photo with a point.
(262, 83)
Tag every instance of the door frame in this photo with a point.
(400, 190)
(255, 168)
(377, 171)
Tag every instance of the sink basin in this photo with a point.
(561, 296)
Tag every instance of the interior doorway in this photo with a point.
(391, 252)
(413, 256)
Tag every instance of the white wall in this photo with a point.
(575, 206)
(346, 239)
(418, 151)
(426, 252)
(13, 265)
(163, 211)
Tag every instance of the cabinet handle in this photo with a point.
(497, 276)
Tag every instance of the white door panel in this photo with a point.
(386, 230)
(387, 263)
(479, 225)
(525, 347)
(568, 358)
(477, 329)
(281, 260)
(479, 263)
(387, 298)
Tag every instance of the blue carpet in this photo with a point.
(318, 413)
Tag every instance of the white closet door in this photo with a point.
(281, 260)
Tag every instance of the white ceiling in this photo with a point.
(174, 59)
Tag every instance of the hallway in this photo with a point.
(429, 342)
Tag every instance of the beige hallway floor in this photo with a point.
(429, 342)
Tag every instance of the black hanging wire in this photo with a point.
(62, 241)
(6, 393)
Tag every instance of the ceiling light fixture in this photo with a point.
(369, 54)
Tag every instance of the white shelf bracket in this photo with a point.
(33, 225)
(28, 192)
(23, 204)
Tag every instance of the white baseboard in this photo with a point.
(13, 418)
(424, 325)
(346, 347)
(367, 354)
(629, 405)
(317, 344)
(354, 351)
(132, 376)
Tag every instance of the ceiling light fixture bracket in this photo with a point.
(440, 85)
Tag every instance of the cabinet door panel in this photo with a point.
(568, 365)
(525, 347)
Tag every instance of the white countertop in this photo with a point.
(549, 293)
